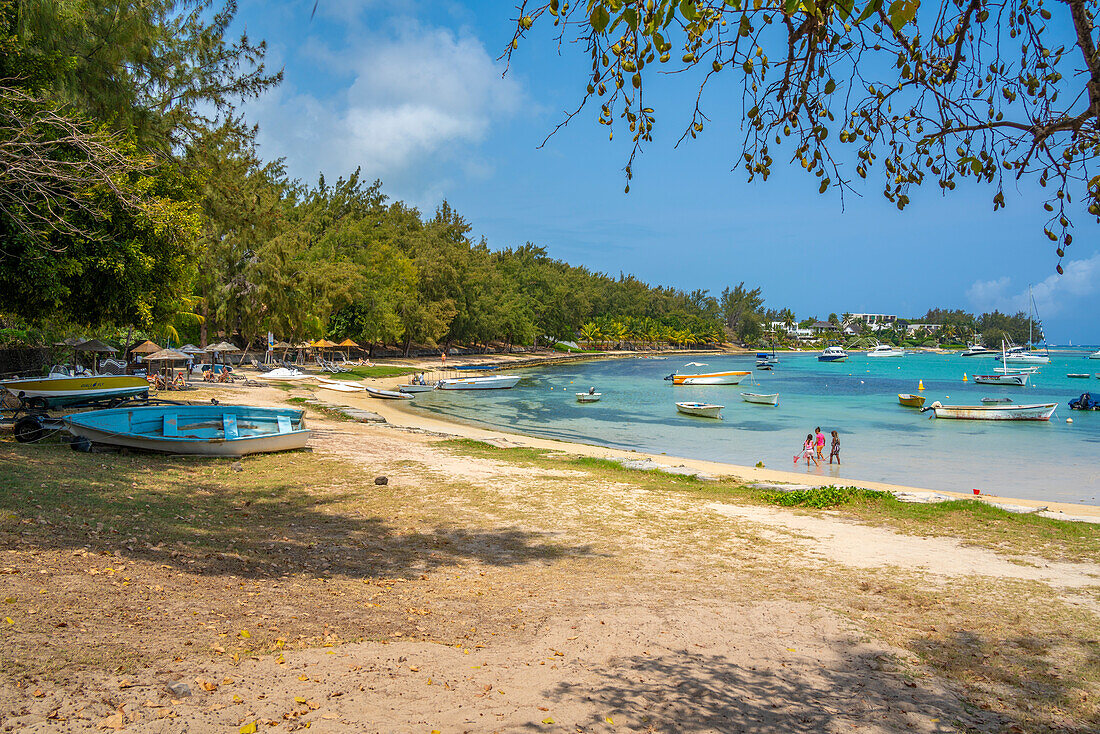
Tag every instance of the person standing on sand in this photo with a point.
(835, 451)
(819, 441)
(443, 357)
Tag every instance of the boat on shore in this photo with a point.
(911, 401)
(381, 394)
(1018, 379)
(701, 410)
(751, 397)
(832, 354)
(338, 385)
(589, 397)
(711, 378)
(492, 382)
(58, 390)
(1002, 412)
(203, 430)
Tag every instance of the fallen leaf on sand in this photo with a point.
(543, 708)
(299, 699)
(249, 728)
(548, 720)
(303, 677)
(115, 721)
(206, 685)
(608, 720)
(244, 633)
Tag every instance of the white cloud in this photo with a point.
(417, 96)
(1080, 278)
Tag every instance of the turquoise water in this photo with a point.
(881, 441)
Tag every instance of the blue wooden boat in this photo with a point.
(206, 430)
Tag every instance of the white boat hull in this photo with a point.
(1017, 380)
(415, 388)
(713, 378)
(495, 382)
(702, 410)
(588, 397)
(1004, 412)
(1024, 359)
(749, 397)
(387, 394)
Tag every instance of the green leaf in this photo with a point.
(870, 9)
(845, 7)
(599, 18)
(830, 86)
(687, 9)
(790, 6)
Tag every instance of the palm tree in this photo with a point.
(590, 332)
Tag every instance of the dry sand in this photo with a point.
(660, 613)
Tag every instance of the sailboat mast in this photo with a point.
(1029, 305)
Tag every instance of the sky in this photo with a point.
(414, 93)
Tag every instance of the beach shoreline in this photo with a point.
(398, 414)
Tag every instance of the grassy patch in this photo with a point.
(822, 497)
(378, 370)
(973, 522)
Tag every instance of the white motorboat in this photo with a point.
(414, 388)
(976, 350)
(702, 410)
(1018, 379)
(885, 350)
(1021, 355)
(492, 382)
(832, 354)
(1095, 355)
(286, 374)
(751, 397)
(711, 378)
(992, 412)
(589, 397)
(375, 392)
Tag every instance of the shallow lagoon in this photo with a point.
(881, 441)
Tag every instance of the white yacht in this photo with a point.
(1021, 355)
(832, 354)
(976, 350)
(1095, 355)
(886, 350)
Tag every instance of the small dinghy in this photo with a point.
(703, 410)
(375, 392)
(1079, 375)
(589, 397)
(911, 401)
(204, 430)
(415, 388)
(493, 382)
(751, 397)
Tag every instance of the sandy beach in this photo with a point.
(477, 591)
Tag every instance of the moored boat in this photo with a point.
(711, 378)
(1079, 375)
(751, 397)
(1018, 379)
(492, 382)
(1003, 412)
(59, 390)
(996, 400)
(702, 410)
(415, 388)
(976, 350)
(1095, 355)
(589, 397)
(832, 354)
(885, 350)
(206, 430)
(911, 401)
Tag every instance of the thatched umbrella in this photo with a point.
(146, 347)
(349, 344)
(221, 348)
(192, 349)
(167, 356)
(96, 346)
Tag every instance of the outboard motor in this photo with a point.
(1085, 402)
(671, 376)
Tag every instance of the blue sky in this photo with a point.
(412, 92)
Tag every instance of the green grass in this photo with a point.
(971, 521)
(378, 370)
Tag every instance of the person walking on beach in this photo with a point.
(819, 441)
(835, 450)
(807, 450)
